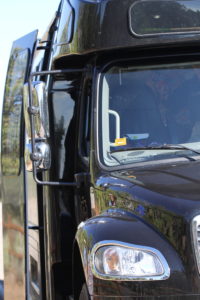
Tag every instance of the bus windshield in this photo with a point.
(149, 113)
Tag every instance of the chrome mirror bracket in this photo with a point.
(42, 156)
(33, 110)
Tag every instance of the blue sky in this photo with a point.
(17, 18)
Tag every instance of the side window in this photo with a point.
(12, 111)
(63, 106)
(66, 24)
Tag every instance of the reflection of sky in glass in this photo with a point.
(168, 16)
(119, 77)
(194, 5)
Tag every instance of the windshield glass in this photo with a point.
(145, 111)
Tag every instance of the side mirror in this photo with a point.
(39, 109)
(37, 126)
(36, 117)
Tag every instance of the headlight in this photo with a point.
(196, 238)
(120, 261)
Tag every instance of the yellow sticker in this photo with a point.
(120, 142)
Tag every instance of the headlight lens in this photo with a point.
(129, 262)
(196, 238)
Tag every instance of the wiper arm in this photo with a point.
(177, 147)
(159, 147)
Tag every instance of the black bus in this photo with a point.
(100, 154)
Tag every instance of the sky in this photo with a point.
(17, 18)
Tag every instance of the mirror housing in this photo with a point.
(36, 110)
(40, 109)
(36, 117)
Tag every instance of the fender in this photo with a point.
(124, 227)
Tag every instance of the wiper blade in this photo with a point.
(178, 147)
(159, 147)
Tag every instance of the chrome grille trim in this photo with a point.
(196, 239)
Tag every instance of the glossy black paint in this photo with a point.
(150, 206)
(109, 29)
(144, 205)
(163, 197)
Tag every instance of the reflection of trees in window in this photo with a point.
(67, 29)
(85, 32)
(165, 16)
(63, 106)
(12, 113)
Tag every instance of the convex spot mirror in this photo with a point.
(38, 107)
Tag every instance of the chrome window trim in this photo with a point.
(155, 34)
(164, 276)
(97, 119)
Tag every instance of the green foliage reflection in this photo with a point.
(12, 110)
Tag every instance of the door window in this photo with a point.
(12, 111)
(63, 102)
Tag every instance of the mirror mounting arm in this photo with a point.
(52, 183)
(33, 111)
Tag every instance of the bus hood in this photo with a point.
(177, 181)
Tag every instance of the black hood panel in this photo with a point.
(165, 198)
(177, 181)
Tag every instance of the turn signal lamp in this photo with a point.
(119, 261)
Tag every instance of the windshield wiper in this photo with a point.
(158, 147)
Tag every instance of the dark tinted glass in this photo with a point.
(63, 102)
(169, 16)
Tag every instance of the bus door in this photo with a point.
(14, 179)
